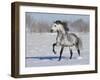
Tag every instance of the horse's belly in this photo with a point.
(67, 42)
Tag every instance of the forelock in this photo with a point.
(58, 22)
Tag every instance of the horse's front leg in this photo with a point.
(61, 53)
(71, 53)
(54, 44)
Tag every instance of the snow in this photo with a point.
(39, 53)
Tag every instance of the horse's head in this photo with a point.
(59, 26)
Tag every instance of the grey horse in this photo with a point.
(65, 39)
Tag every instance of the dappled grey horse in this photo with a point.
(65, 39)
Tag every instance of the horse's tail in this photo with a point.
(79, 43)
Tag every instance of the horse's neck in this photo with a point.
(60, 35)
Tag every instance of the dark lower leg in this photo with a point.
(61, 53)
(54, 48)
(71, 53)
(78, 52)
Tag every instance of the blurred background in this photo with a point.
(42, 22)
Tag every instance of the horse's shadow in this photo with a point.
(46, 57)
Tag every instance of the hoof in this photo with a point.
(70, 58)
(79, 58)
(54, 52)
(59, 59)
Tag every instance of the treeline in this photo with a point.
(80, 26)
(33, 25)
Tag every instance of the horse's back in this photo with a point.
(72, 37)
(73, 34)
(69, 39)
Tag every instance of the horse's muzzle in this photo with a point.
(51, 30)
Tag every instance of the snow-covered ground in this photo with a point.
(38, 48)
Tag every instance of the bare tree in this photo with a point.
(40, 26)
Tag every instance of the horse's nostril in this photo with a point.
(51, 30)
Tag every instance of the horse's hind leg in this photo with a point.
(78, 50)
(61, 53)
(54, 44)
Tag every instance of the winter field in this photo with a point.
(39, 53)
